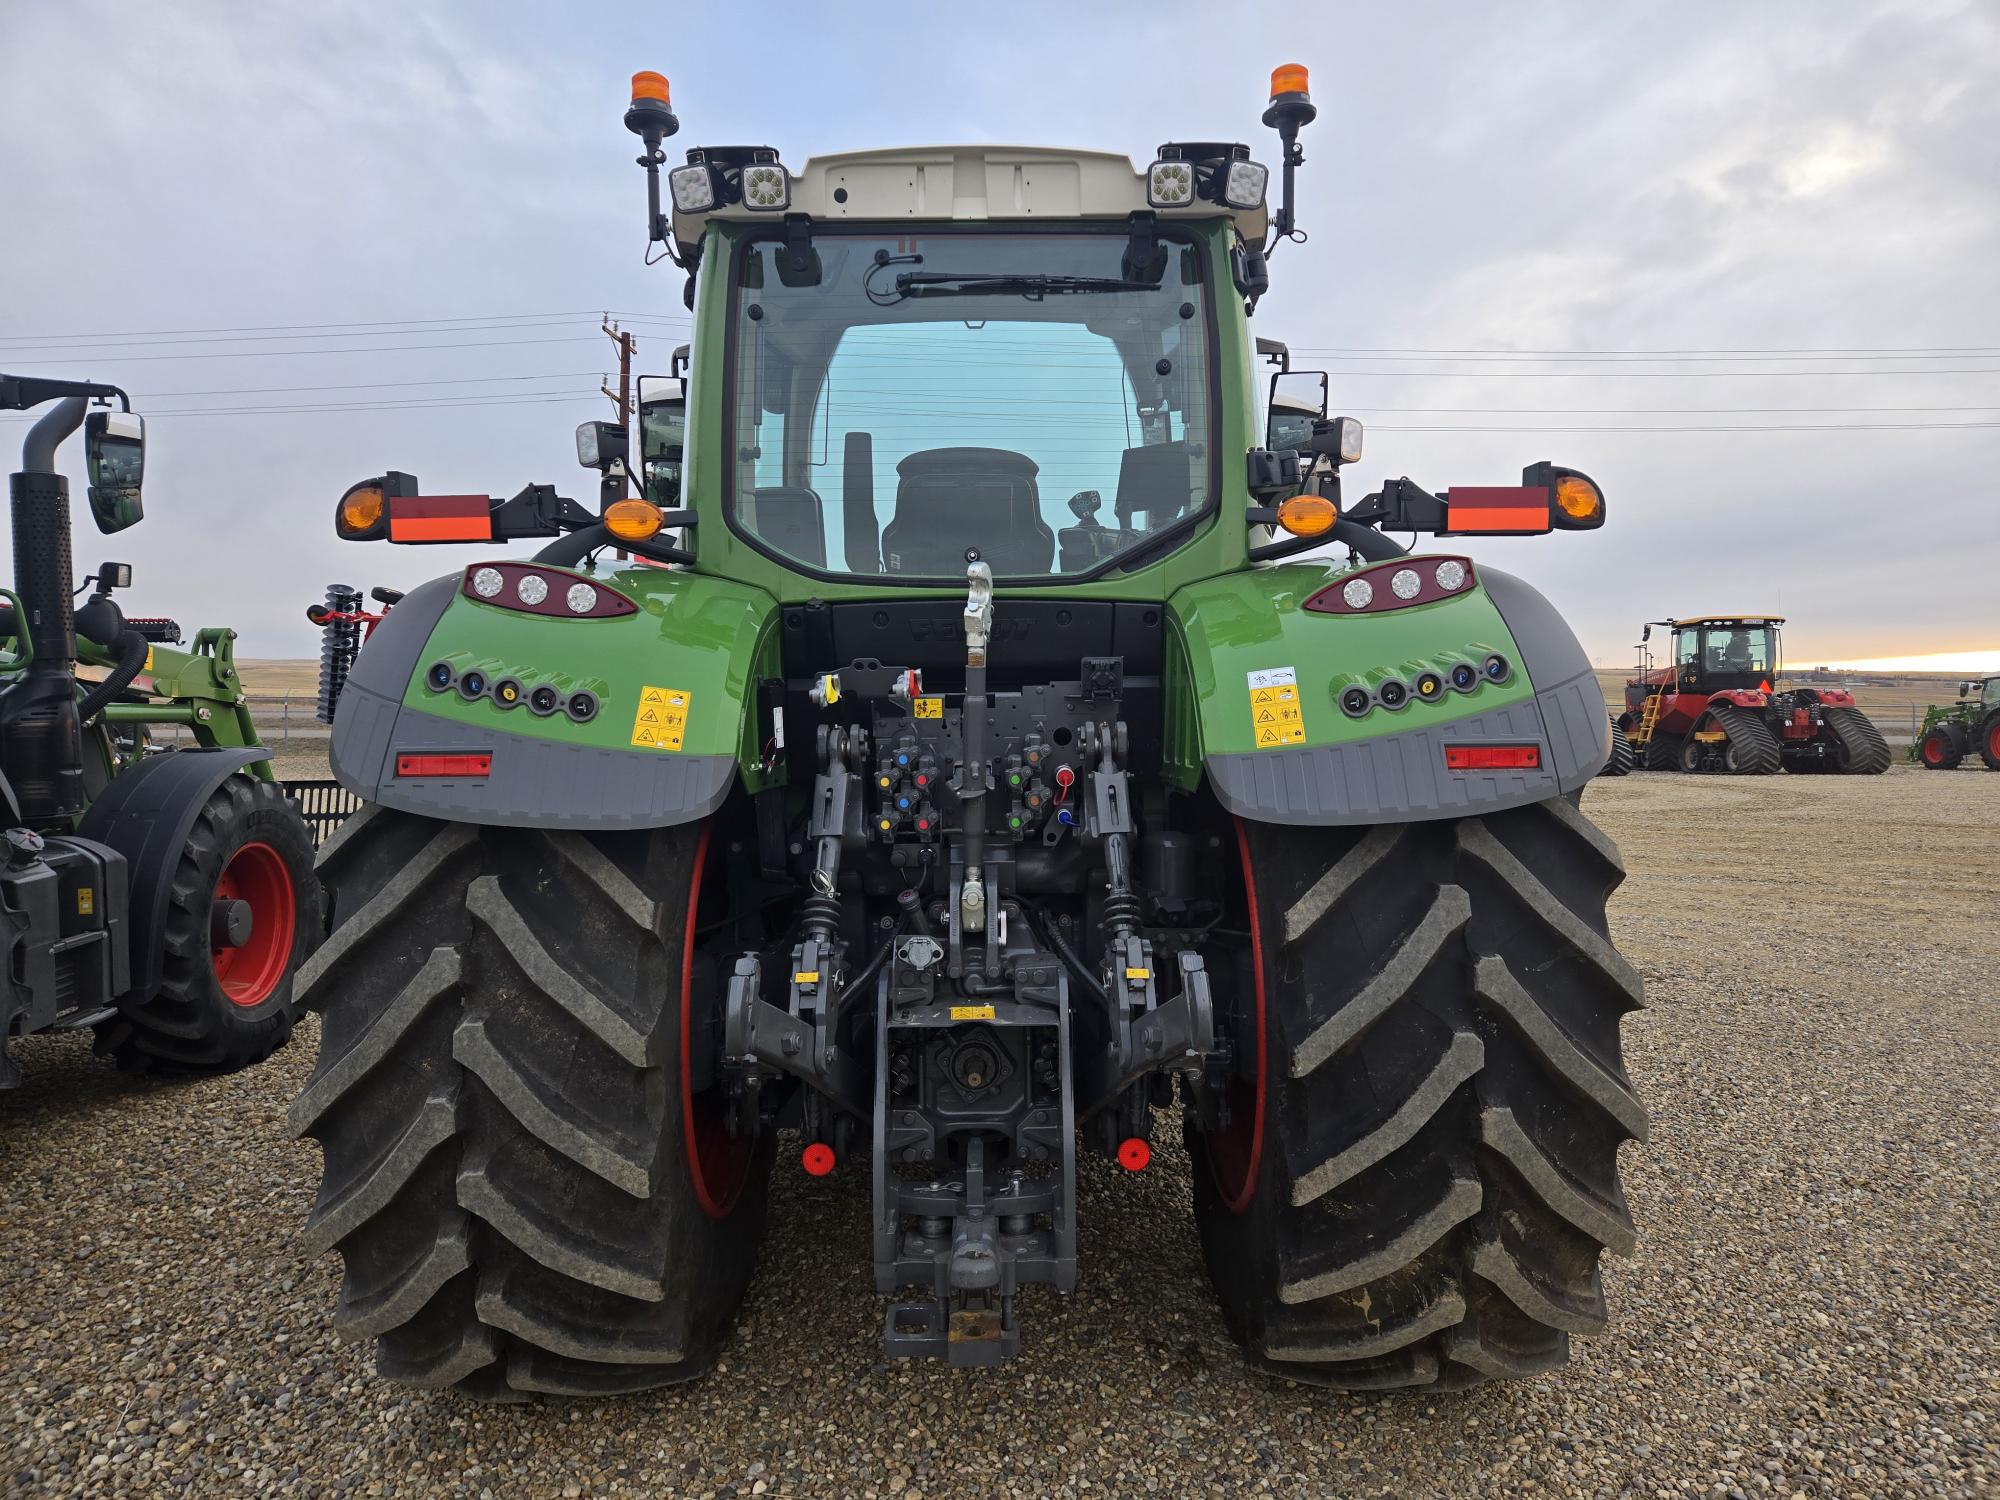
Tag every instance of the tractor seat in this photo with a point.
(949, 499)
(790, 518)
(1154, 482)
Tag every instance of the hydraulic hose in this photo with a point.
(131, 662)
(1366, 540)
(1073, 961)
(568, 551)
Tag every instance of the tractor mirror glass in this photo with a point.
(115, 445)
(1298, 399)
(662, 436)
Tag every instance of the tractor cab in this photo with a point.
(1718, 653)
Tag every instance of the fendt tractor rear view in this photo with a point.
(162, 899)
(951, 762)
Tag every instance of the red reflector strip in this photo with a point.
(1492, 757)
(440, 518)
(1496, 508)
(476, 763)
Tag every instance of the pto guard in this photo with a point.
(1237, 637)
(696, 641)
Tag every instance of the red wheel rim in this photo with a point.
(1934, 750)
(1993, 741)
(718, 1162)
(257, 875)
(1236, 1152)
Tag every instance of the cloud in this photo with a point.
(1532, 177)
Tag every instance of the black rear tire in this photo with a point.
(1859, 749)
(1433, 1175)
(192, 1024)
(511, 1171)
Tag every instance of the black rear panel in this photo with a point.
(1035, 641)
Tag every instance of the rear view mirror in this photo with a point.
(662, 437)
(115, 446)
(1298, 399)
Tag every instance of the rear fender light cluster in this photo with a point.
(1395, 585)
(537, 590)
(1422, 682)
(474, 685)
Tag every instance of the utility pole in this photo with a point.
(622, 397)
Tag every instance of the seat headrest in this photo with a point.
(1153, 479)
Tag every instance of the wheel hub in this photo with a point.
(253, 921)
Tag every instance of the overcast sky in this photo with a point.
(1512, 180)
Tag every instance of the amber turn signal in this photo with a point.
(1308, 515)
(1578, 499)
(632, 520)
(360, 516)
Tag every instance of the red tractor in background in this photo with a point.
(1715, 706)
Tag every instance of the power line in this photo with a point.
(267, 338)
(1652, 411)
(1651, 359)
(1776, 427)
(371, 385)
(1884, 351)
(302, 353)
(280, 328)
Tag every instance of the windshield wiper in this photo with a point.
(1008, 284)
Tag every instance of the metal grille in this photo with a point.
(325, 805)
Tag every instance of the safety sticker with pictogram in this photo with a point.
(661, 719)
(928, 708)
(1275, 718)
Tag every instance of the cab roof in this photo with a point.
(1728, 620)
(970, 184)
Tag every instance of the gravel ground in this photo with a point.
(1813, 1308)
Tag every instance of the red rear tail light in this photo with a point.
(1492, 757)
(1497, 510)
(440, 518)
(475, 763)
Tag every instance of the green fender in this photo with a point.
(1254, 683)
(674, 684)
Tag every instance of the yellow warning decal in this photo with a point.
(86, 901)
(149, 659)
(928, 708)
(660, 722)
(972, 1012)
(1138, 973)
(1275, 717)
(806, 976)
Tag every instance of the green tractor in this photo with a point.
(1952, 729)
(161, 898)
(971, 768)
